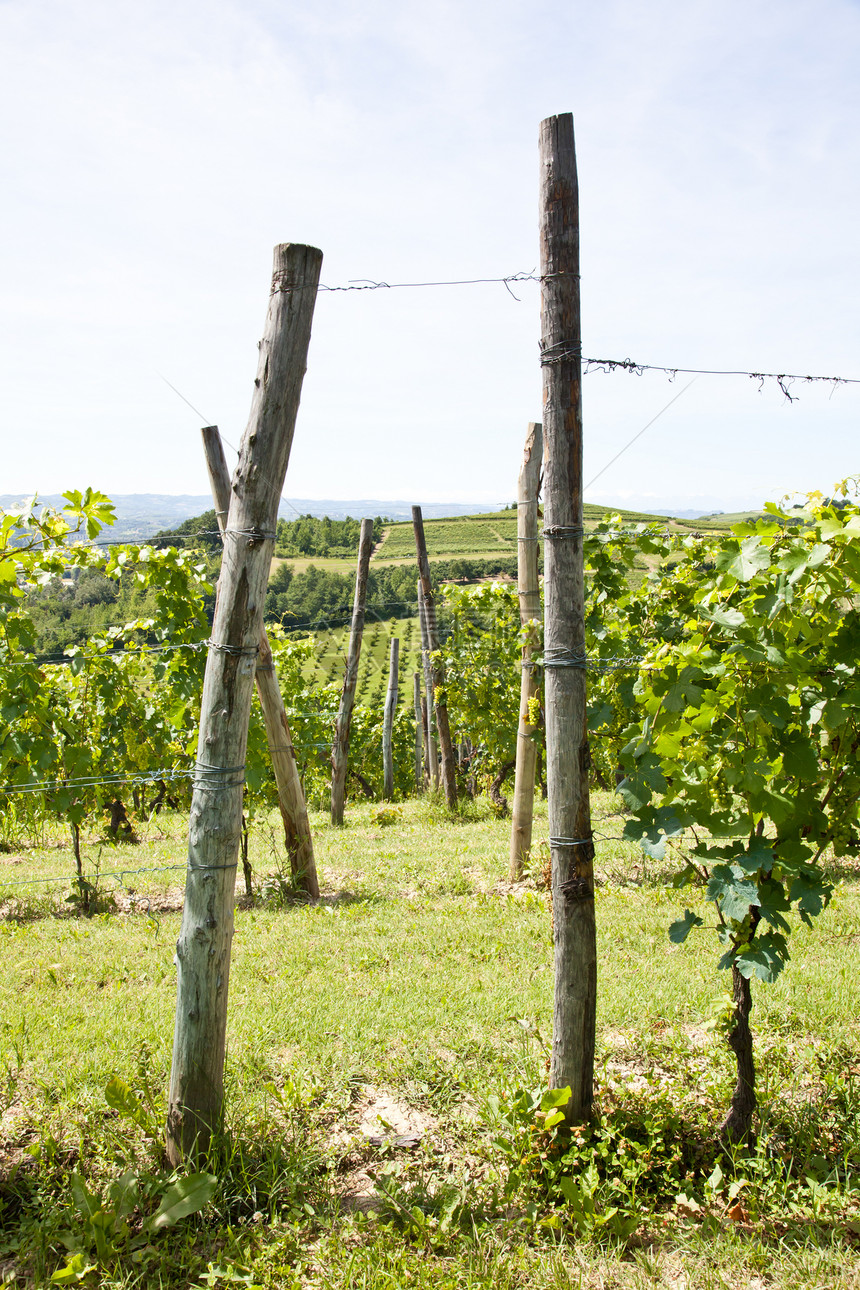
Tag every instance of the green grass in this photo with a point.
(423, 977)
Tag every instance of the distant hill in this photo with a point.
(142, 515)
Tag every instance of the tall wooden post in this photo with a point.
(571, 843)
(388, 721)
(431, 760)
(419, 732)
(449, 770)
(528, 490)
(291, 798)
(203, 949)
(340, 747)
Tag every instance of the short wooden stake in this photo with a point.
(195, 1102)
(419, 732)
(528, 490)
(291, 798)
(388, 721)
(431, 760)
(571, 845)
(449, 769)
(340, 747)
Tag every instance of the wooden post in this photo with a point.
(419, 732)
(203, 950)
(340, 747)
(388, 721)
(528, 490)
(449, 769)
(291, 799)
(574, 932)
(431, 759)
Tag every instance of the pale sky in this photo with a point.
(154, 153)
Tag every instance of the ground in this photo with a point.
(377, 1045)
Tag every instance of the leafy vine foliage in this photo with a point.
(743, 750)
(77, 727)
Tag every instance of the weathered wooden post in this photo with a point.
(291, 798)
(340, 747)
(574, 932)
(449, 769)
(419, 732)
(528, 490)
(388, 721)
(431, 760)
(203, 950)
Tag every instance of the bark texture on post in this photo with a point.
(391, 696)
(340, 747)
(574, 932)
(203, 950)
(528, 491)
(449, 768)
(291, 798)
(737, 1128)
(431, 760)
(419, 732)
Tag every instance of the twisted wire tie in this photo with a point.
(254, 535)
(564, 531)
(564, 658)
(560, 352)
(234, 650)
(213, 778)
(570, 842)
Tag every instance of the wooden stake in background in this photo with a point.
(528, 491)
(419, 731)
(574, 931)
(431, 760)
(340, 747)
(449, 769)
(388, 721)
(203, 950)
(291, 799)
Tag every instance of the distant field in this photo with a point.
(330, 661)
(496, 533)
(455, 537)
(475, 537)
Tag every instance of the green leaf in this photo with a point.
(764, 957)
(731, 619)
(122, 1098)
(75, 1270)
(681, 928)
(554, 1097)
(799, 757)
(811, 892)
(758, 857)
(732, 892)
(748, 559)
(186, 1196)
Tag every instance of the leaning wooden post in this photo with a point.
(574, 932)
(340, 747)
(528, 490)
(291, 799)
(430, 758)
(388, 721)
(449, 768)
(419, 732)
(196, 1095)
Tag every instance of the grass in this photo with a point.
(422, 982)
